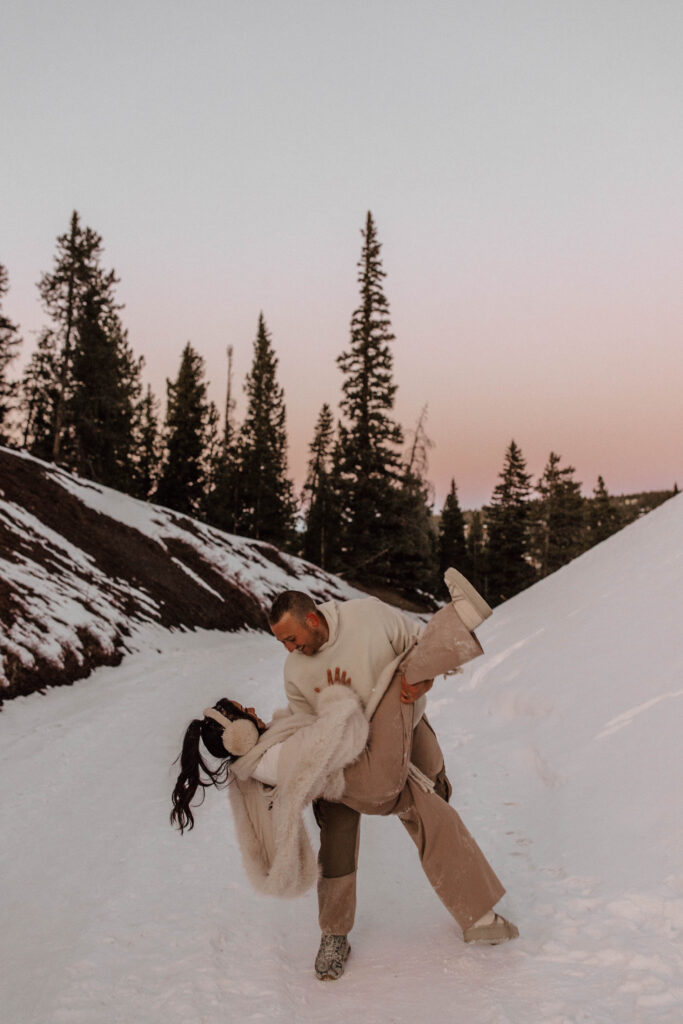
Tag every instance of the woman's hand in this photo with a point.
(409, 694)
(337, 678)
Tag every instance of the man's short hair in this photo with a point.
(294, 601)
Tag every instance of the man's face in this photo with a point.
(306, 635)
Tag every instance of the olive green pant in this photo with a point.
(378, 783)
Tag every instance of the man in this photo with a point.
(390, 662)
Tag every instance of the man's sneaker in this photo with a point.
(329, 963)
(499, 930)
(468, 603)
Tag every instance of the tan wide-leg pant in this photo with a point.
(378, 783)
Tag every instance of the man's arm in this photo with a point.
(401, 631)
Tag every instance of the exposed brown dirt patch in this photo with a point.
(123, 555)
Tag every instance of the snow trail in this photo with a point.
(563, 745)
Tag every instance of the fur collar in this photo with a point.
(275, 846)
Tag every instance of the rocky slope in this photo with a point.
(81, 566)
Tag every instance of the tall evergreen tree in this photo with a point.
(221, 501)
(221, 506)
(213, 461)
(266, 501)
(82, 383)
(507, 517)
(319, 497)
(98, 439)
(558, 530)
(604, 517)
(183, 475)
(10, 341)
(414, 543)
(74, 291)
(476, 553)
(39, 397)
(147, 452)
(452, 543)
(371, 463)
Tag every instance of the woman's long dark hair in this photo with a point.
(192, 763)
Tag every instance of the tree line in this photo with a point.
(528, 530)
(365, 511)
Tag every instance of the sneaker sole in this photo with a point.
(493, 934)
(489, 942)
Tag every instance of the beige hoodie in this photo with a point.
(368, 640)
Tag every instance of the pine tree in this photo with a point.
(81, 385)
(146, 456)
(9, 345)
(604, 517)
(409, 520)
(213, 461)
(266, 501)
(507, 517)
(76, 289)
(183, 474)
(221, 506)
(453, 548)
(558, 530)
(476, 553)
(221, 501)
(98, 439)
(39, 397)
(319, 498)
(370, 456)
(414, 544)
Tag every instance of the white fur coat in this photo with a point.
(275, 846)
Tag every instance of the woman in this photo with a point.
(274, 772)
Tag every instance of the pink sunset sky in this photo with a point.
(523, 162)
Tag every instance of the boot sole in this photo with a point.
(472, 608)
(333, 977)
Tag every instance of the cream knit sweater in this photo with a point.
(368, 640)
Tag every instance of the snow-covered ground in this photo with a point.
(564, 747)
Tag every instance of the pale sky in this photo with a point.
(523, 162)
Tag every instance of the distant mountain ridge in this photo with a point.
(83, 565)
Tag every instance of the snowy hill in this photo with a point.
(83, 567)
(563, 746)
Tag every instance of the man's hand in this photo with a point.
(337, 678)
(409, 694)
